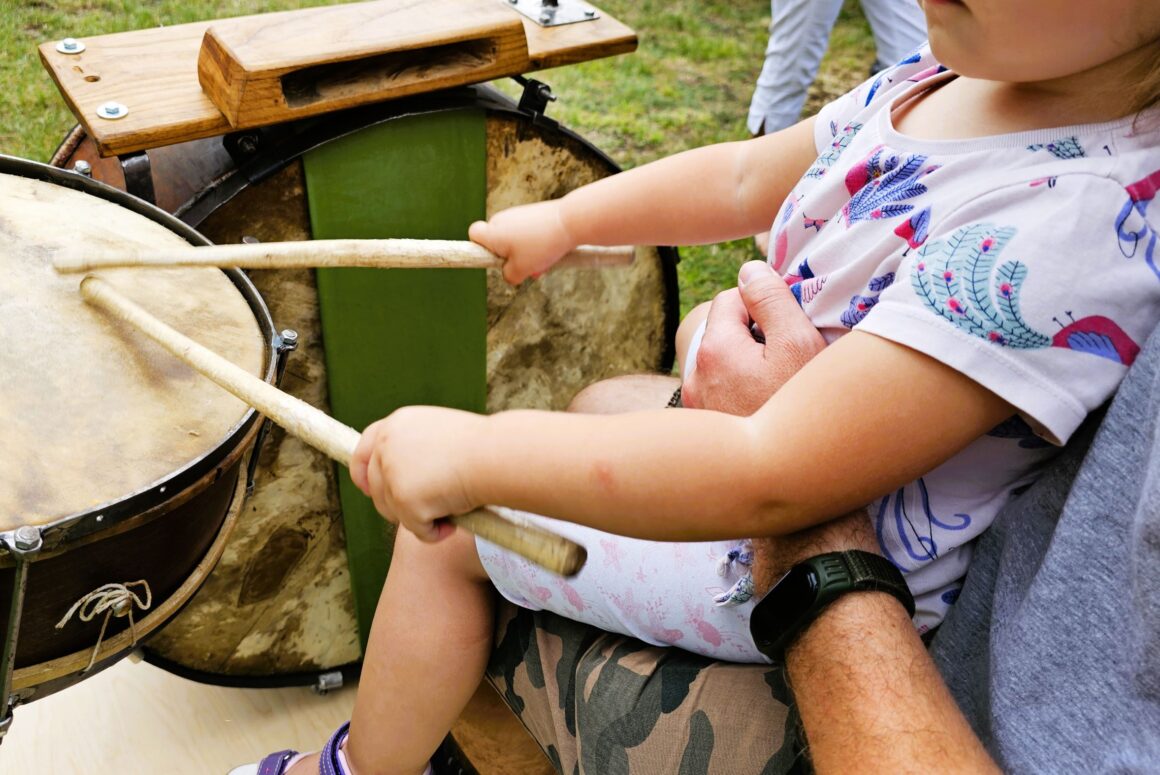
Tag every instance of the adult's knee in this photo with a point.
(629, 393)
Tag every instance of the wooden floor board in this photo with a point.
(136, 719)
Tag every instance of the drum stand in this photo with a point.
(23, 543)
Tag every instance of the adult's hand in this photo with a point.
(735, 372)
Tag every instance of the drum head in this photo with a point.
(93, 412)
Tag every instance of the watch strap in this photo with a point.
(856, 570)
(810, 586)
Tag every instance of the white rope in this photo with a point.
(111, 600)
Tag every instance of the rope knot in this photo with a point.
(111, 600)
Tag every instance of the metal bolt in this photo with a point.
(590, 13)
(545, 17)
(248, 240)
(289, 338)
(83, 167)
(514, 2)
(27, 538)
(112, 111)
(70, 46)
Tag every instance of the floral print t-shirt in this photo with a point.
(1027, 262)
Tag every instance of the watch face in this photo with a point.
(784, 608)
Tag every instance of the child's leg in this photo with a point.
(690, 595)
(428, 648)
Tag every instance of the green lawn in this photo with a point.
(688, 84)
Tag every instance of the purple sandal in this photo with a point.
(276, 763)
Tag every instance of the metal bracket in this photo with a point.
(327, 682)
(23, 544)
(553, 13)
(285, 343)
(534, 100)
(138, 176)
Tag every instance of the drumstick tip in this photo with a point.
(69, 264)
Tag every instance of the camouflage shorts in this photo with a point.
(607, 704)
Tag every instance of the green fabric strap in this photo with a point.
(401, 336)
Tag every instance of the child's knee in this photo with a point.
(456, 554)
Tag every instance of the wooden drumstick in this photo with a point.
(338, 441)
(376, 253)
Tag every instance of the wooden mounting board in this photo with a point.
(154, 74)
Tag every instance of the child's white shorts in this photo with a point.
(662, 593)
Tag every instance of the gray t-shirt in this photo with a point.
(1053, 648)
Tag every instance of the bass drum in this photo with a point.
(278, 608)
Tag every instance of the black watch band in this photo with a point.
(805, 591)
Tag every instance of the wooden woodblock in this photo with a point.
(261, 70)
(153, 73)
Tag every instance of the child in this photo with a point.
(976, 244)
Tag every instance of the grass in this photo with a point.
(688, 84)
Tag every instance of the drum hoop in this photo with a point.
(70, 667)
(142, 505)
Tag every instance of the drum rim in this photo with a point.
(194, 476)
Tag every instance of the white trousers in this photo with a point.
(798, 37)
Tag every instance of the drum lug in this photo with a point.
(138, 175)
(534, 100)
(285, 343)
(23, 544)
(327, 682)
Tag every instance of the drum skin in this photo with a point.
(278, 607)
(125, 460)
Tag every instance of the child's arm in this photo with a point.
(864, 417)
(710, 194)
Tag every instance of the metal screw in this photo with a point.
(545, 17)
(27, 538)
(83, 167)
(289, 338)
(70, 46)
(112, 111)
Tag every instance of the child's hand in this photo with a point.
(531, 238)
(410, 464)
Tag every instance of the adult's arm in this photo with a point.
(869, 695)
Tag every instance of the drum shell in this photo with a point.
(278, 595)
(162, 534)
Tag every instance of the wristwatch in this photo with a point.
(808, 587)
